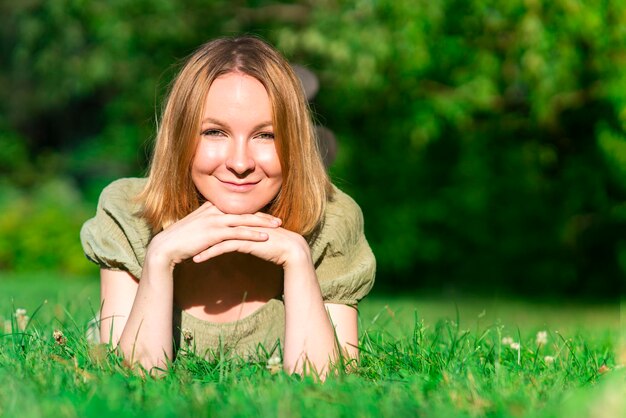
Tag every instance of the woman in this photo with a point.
(236, 237)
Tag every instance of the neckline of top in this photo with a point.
(253, 317)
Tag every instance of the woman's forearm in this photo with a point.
(147, 336)
(309, 334)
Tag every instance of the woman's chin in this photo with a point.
(237, 209)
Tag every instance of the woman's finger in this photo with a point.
(268, 216)
(238, 235)
(244, 234)
(223, 247)
(251, 220)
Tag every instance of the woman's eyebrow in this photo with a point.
(257, 127)
(263, 125)
(213, 121)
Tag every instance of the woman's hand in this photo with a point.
(205, 228)
(281, 247)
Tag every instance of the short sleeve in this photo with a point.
(345, 264)
(117, 237)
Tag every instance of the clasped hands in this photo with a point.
(208, 232)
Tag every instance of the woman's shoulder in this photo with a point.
(119, 200)
(117, 236)
(343, 213)
(341, 225)
(123, 192)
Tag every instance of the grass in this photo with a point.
(421, 356)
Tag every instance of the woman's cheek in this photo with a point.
(268, 158)
(209, 156)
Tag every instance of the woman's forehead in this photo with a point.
(237, 96)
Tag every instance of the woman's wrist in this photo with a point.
(298, 257)
(157, 257)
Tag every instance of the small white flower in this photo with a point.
(515, 346)
(507, 340)
(542, 338)
(59, 338)
(187, 335)
(274, 364)
(549, 359)
(273, 361)
(20, 312)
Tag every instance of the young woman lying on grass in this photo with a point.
(236, 236)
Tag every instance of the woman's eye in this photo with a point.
(266, 135)
(212, 132)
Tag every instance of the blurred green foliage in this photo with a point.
(484, 140)
(38, 228)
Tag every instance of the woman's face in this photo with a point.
(236, 166)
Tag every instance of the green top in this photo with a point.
(117, 239)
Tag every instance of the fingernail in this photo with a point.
(276, 221)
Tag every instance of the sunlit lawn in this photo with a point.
(422, 355)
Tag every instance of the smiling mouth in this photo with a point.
(239, 187)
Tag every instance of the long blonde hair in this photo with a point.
(170, 194)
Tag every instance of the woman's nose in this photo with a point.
(239, 158)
